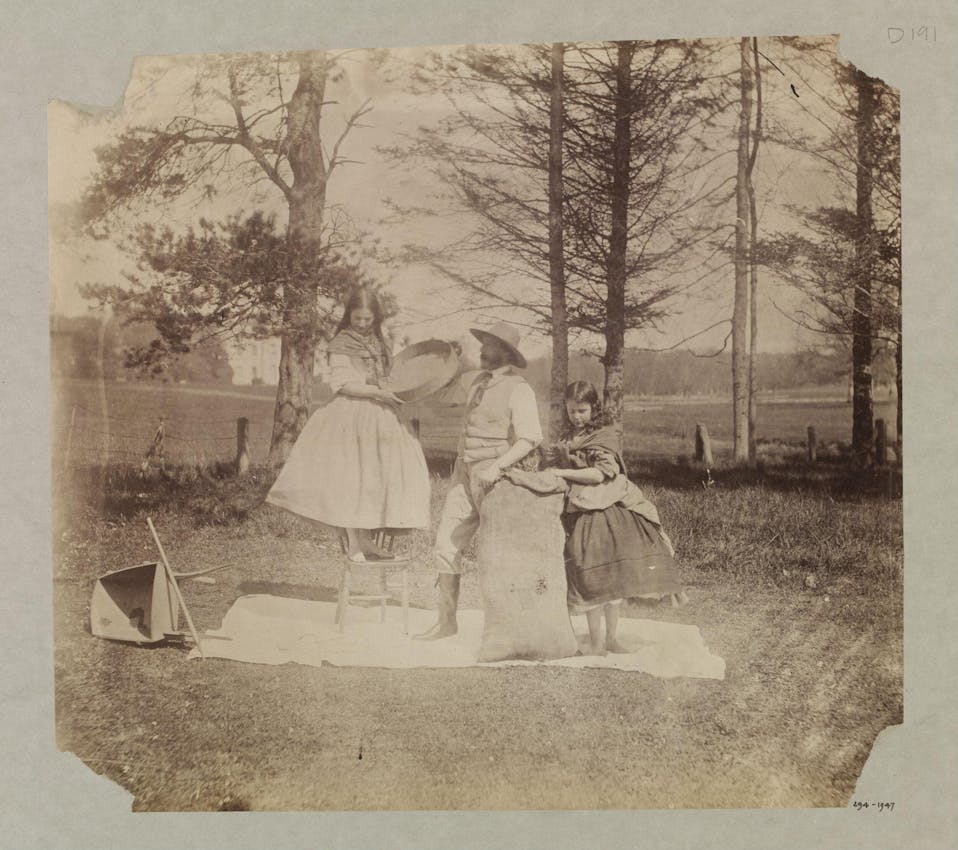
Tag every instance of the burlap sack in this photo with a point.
(522, 575)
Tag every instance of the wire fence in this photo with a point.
(91, 437)
(156, 427)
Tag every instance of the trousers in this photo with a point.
(459, 520)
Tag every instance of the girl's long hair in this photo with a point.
(363, 296)
(583, 392)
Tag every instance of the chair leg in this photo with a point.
(343, 600)
(385, 541)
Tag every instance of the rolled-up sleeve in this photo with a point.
(525, 414)
(604, 461)
(342, 372)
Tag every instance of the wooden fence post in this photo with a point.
(242, 447)
(881, 442)
(157, 447)
(703, 446)
(812, 445)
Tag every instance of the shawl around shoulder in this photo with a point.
(364, 346)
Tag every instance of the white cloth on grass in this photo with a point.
(265, 629)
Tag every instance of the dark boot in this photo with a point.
(448, 603)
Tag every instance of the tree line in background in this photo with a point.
(93, 348)
(682, 373)
(86, 347)
(604, 181)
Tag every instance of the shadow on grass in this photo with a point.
(214, 496)
(211, 494)
(833, 476)
(288, 590)
(837, 479)
(306, 592)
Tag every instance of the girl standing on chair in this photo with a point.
(616, 548)
(355, 465)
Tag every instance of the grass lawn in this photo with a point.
(813, 675)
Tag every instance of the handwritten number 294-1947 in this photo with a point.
(861, 805)
(897, 35)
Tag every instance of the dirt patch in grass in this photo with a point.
(813, 673)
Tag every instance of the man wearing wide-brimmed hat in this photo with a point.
(501, 427)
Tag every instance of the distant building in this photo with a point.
(256, 361)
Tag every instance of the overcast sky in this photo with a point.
(159, 88)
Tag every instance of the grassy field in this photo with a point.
(115, 423)
(813, 673)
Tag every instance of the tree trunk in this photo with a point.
(560, 325)
(307, 200)
(753, 332)
(753, 265)
(899, 437)
(618, 238)
(862, 412)
(740, 306)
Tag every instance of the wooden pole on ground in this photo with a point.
(242, 447)
(171, 577)
(703, 446)
(812, 445)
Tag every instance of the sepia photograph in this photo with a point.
(482, 427)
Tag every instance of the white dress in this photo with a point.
(355, 464)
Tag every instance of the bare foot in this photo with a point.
(377, 553)
(438, 632)
(617, 648)
(595, 649)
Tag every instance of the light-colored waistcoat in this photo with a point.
(488, 431)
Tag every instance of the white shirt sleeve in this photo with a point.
(525, 414)
(342, 372)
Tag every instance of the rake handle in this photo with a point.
(176, 588)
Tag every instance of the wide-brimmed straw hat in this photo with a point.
(507, 335)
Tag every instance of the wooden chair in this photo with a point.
(384, 538)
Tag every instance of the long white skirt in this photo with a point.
(355, 465)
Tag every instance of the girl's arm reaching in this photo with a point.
(589, 475)
(598, 465)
